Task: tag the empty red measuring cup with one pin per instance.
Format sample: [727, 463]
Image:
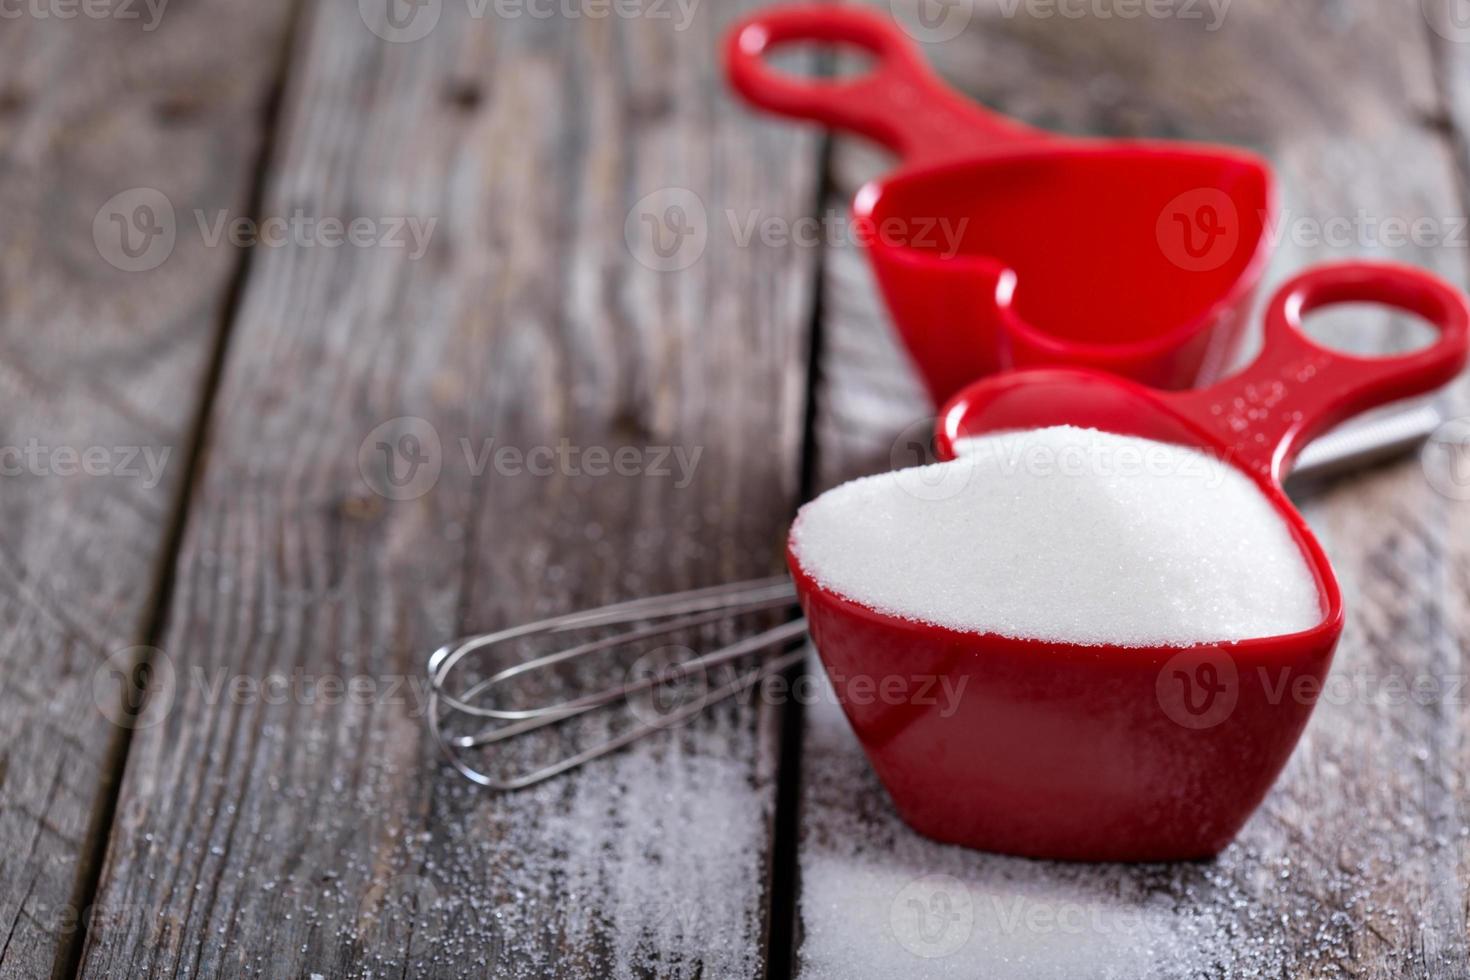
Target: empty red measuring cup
[1106, 753]
[997, 245]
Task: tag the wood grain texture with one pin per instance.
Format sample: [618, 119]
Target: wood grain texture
[103, 369]
[1356, 863]
[303, 832]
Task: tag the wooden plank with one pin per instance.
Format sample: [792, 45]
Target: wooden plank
[104, 360]
[1356, 863]
[304, 833]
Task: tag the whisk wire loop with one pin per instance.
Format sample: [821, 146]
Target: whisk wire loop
[657, 616]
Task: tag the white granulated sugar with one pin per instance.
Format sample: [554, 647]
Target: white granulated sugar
[878, 918]
[1069, 535]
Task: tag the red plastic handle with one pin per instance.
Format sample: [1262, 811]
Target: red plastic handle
[899, 103]
[1296, 388]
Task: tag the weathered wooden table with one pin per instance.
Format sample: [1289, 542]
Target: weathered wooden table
[190, 431]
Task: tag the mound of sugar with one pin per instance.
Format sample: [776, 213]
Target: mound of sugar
[1065, 534]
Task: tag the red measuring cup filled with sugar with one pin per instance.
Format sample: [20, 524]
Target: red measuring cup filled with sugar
[997, 245]
[1157, 745]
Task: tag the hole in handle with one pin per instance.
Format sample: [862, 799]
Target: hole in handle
[1405, 290]
[1368, 329]
[820, 62]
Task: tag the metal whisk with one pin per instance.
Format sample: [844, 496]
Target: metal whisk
[657, 616]
[1372, 439]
